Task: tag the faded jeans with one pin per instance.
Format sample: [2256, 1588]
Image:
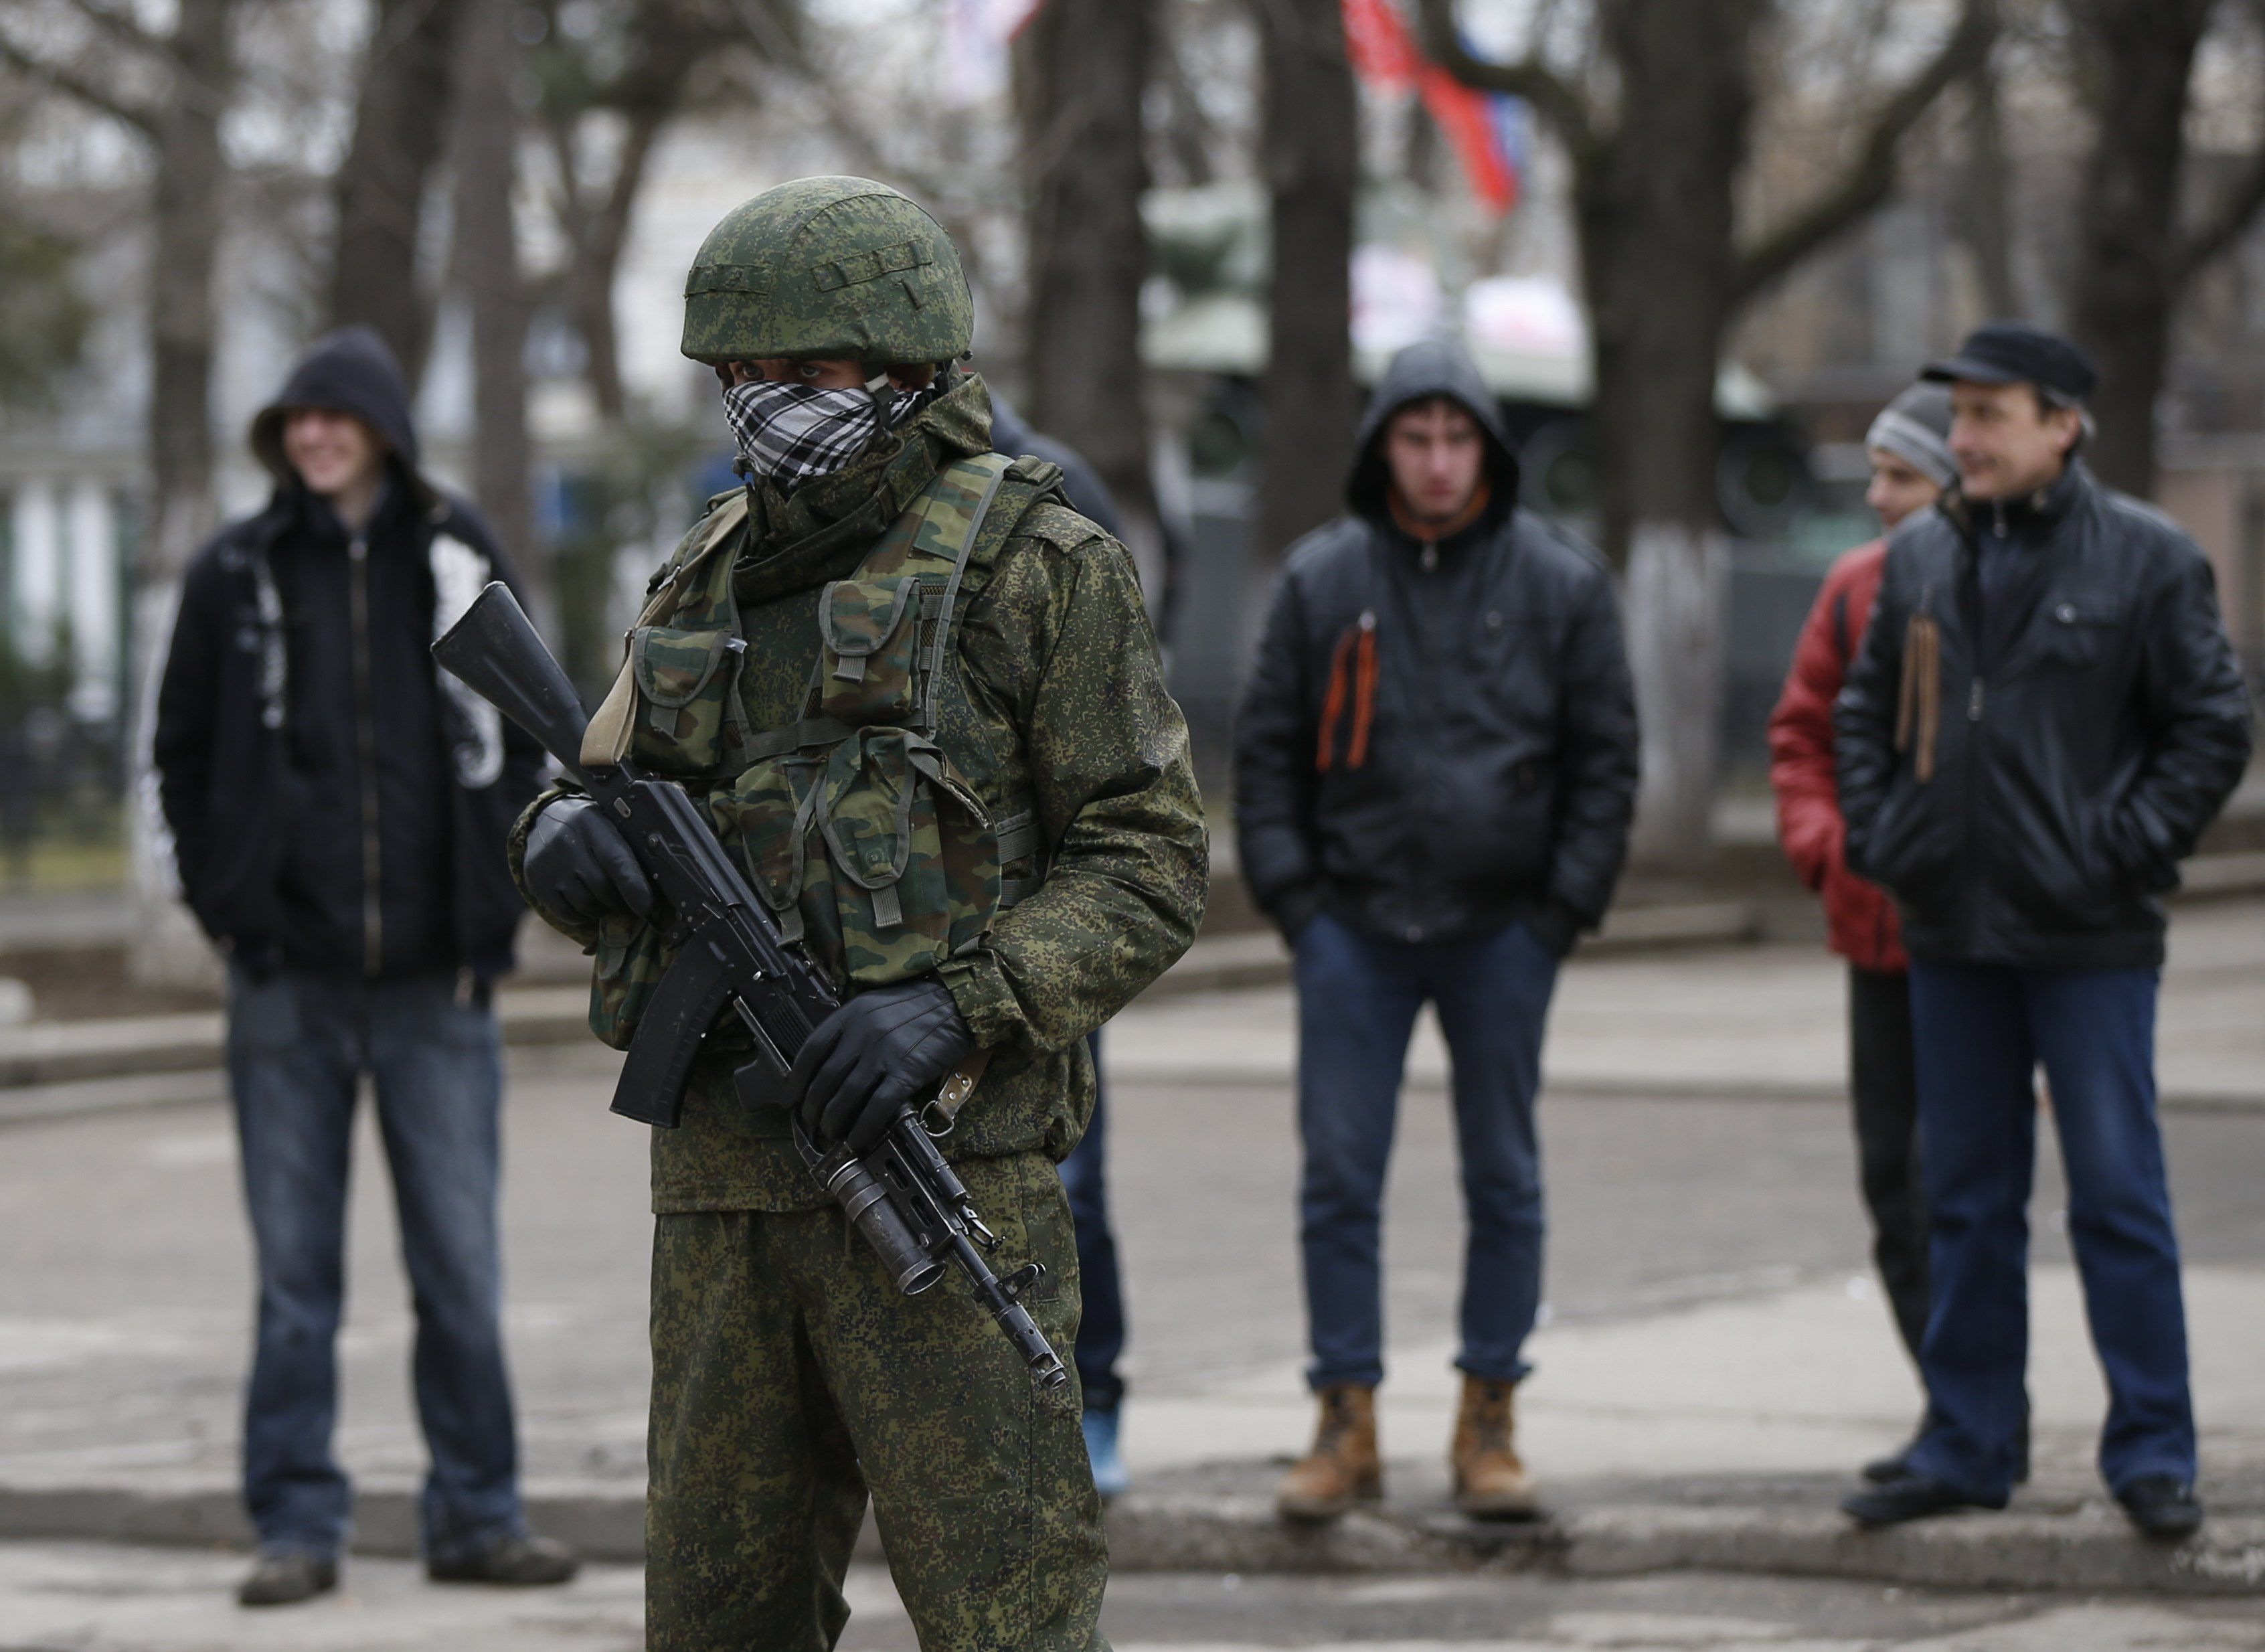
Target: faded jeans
[298, 1046]
[1358, 998]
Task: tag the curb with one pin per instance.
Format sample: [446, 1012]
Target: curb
[2091, 1551]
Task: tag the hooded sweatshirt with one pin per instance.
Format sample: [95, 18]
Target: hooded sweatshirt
[334, 804]
[1438, 736]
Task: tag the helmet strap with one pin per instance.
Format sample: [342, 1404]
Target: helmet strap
[884, 394]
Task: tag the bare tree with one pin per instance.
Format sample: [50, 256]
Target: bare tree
[487, 264]
[1086, 72]
[639, 68]
[407, 75]
[2135, 61]
[1310, 158]
[171, 90]
[1665, 273]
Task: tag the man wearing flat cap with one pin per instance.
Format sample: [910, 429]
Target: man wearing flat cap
[2044, 716]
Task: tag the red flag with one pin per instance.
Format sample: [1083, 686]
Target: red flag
[1385, 54]
[1377, 41]
[1466, 114]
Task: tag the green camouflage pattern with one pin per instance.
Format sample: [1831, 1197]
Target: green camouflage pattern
[874, 852]
[1053, 699]
[678, 654]
[867, 675]
[790, 1378]
[829, 267]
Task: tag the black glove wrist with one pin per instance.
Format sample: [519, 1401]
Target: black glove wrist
[883, 1051]
[580, 867]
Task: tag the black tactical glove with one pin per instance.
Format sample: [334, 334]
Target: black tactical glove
[580, 866]
[879, 1052]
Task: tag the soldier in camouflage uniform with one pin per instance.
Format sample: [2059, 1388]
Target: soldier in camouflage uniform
[924, 707]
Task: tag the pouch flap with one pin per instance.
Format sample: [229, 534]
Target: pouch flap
[673, 665]
[859, 616]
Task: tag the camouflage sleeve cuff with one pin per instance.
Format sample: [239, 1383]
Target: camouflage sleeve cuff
[514, 849]
[979, 986]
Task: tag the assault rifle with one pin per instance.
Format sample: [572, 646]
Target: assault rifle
[900, 1195]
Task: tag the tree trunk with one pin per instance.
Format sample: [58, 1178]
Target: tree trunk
[1984, 196]
[185, 213]
[1660, 198]
[1310, 151]
[2137, 55]
[487, 263]
[381, 188]
[1087, 72]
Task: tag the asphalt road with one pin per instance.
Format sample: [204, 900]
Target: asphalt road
[125, 1309]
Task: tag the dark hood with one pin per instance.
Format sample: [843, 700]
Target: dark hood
[348, 371]
[1429, 368]
[1089, 495]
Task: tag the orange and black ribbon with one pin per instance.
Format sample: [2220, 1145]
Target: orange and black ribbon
[1352, 675]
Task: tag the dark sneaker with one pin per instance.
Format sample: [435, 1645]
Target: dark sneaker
[287, 1576]
[1913, 1497]
[516, 1562]
[2162, 1507]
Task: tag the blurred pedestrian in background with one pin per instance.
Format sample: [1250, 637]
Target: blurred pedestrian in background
[338, 811]
[1435, 771]
[1084, 1174]
[1909, 448]
[2044, 716]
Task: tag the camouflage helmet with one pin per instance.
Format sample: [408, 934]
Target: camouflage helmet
[827, 267]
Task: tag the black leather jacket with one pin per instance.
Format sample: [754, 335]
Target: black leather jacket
[2090, 721]
[1497, 775]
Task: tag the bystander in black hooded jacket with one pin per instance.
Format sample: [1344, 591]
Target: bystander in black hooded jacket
[305, 738]
[2024, 775]
[1435, 742]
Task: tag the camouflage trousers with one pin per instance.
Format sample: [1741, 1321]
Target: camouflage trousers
[790, 1376]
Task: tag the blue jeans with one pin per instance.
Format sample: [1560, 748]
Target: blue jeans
[1101, 1328]
[1358, 997]
[1980, 1031]
[297, 1047]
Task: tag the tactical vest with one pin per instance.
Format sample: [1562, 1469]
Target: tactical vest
[857, 830]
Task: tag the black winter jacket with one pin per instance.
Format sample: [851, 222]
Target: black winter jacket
[2089, 721]
[263, 771]
[1499, 770]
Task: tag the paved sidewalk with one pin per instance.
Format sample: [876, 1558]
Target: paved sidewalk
[1736, 1021]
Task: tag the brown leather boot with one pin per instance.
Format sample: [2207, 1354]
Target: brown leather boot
[1490, 1483]
[1342, 1466]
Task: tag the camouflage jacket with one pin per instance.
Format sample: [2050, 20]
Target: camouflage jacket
[1061, 708]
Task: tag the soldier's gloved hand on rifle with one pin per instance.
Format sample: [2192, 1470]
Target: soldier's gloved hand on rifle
[885, 1049]
[580, 866]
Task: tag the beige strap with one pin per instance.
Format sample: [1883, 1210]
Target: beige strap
[606, 742]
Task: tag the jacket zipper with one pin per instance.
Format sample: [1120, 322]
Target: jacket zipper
[373, 919]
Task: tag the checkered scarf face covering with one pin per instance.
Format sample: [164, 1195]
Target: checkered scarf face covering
[791, 433]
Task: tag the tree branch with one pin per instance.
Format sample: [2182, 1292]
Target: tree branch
[1556, 101]
[1871, 179]
[122, 28]
[2228, 217]
[73, 84]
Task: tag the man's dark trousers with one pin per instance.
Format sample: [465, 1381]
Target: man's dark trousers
[1101, 1326]
[298, 1044]
[1982, 1029]
[1885, 1087]
[1358, 998]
